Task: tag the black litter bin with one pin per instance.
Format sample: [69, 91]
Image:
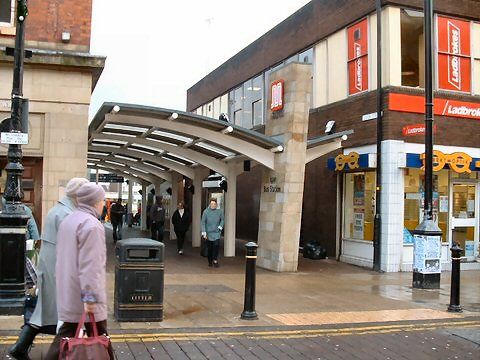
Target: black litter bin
[139, 280]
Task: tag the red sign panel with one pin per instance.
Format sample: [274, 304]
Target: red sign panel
[417, 129]
[454, 63]
[358, 57]
[277, 92]
[444, 107]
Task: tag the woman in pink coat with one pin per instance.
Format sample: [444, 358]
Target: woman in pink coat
[80, 267]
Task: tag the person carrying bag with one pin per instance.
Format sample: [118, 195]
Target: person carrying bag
[81, 271]
[93, 347]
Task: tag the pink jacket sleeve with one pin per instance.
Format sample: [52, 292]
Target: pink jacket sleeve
[90, 262]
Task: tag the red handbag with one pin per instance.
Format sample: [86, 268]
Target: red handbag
[89, 348]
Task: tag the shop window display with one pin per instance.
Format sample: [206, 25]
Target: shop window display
[414, 201]
[463, 208]
[359, 205]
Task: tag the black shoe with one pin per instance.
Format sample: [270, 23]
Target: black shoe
[210, 264]
[21, 348]
[216, 264]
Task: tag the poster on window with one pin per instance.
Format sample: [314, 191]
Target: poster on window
[407, 237]
[358, 57]
[454, 62]
[358, 224]
[469, 248]
[359, 190]
[443, 204]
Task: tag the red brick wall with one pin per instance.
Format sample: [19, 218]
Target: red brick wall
[49, 18]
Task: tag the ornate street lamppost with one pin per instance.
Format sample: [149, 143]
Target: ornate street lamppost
[427, 262]
[13, 219]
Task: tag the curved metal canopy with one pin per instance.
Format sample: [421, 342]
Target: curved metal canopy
[155, 141]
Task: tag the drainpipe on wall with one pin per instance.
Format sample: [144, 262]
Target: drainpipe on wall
[377, 228]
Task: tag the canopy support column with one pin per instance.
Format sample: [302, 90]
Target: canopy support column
[129, 217]
[230, 214]
[173, 204]
[197, 207]
[143, 214]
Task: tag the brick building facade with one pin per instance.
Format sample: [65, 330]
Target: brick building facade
[58, 80]
[338, 39]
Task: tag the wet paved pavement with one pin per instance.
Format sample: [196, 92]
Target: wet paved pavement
[321, 295]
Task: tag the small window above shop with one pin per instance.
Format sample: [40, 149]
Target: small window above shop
[412, 48]
[6, 12]
[306, 56]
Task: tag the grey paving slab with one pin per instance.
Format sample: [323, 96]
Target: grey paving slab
[472, 335]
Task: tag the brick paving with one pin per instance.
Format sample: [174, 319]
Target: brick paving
[369, 342]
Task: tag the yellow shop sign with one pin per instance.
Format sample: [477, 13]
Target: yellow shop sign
[350, 159]
[458, 161]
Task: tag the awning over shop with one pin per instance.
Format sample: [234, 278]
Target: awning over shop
[322, 145]
[459, 162]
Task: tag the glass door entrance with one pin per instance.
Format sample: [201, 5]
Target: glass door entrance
[465, 217]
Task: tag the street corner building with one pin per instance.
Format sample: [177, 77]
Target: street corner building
[312, 78]
[59, 78]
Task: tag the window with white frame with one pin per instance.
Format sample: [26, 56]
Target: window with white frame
[237, 105]
[7, 8]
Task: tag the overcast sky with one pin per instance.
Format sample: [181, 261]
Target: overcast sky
[157, 49]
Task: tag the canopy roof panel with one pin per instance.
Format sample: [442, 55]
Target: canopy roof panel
[168, 140]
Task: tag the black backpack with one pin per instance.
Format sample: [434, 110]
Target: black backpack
[314, 251]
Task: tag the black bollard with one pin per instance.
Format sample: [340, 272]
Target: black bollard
[455, 281]
[249, 312]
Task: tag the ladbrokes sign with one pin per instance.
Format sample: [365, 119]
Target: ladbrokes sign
[454, 62]
[358, 57]
[444, 107]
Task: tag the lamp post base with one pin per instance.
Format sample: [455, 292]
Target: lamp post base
[249, 315]
[13, 228]
[426, 281]
[427, 255]
[455, 308]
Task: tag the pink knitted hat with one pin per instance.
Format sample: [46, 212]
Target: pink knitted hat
[90, 194]
[73, 185]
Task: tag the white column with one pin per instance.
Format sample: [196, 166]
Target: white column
[97, 175]
[130, 197]
[230, 214]
[173, 203]
[197, 208]
[392, 205]
[143, 216]
[120, 186]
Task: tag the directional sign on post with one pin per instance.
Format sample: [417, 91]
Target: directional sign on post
[14, 138]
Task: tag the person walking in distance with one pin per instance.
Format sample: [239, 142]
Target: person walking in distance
[181, 223]
[212, 226]
[117, 210]
[157, 217]
[44, 318]
[81, 267]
